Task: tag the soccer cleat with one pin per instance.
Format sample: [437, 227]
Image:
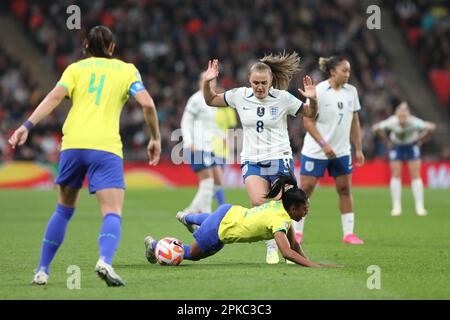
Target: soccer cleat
[181, 216]
[40, 278]
[272, 255]
[352, 239]
[149, 252]
[299, 237]
[106, 272]
[396, 212]
[421, 212]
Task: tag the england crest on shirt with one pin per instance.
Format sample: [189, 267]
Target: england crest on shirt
[260, 111]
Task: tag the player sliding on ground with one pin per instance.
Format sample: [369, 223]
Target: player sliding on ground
[232, 223]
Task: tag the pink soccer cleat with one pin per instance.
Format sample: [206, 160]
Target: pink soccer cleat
[352, 239]
[299, 237]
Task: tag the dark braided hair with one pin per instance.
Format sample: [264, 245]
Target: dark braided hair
[293, 196]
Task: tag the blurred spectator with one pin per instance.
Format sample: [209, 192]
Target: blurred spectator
[171, 44]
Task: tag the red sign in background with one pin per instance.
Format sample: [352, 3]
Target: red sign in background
[435, 174]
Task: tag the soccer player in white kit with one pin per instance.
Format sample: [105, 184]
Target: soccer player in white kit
[263, 109]
[407, 134]
[198, 127]
[327, 142]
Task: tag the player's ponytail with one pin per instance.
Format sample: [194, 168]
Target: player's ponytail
[291, 194]
[98, 41]
[281, 66]
[328, 64]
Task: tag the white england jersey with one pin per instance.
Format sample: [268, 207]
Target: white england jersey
[333, 121]
[198, 123]
[402, 135]
[264, 122]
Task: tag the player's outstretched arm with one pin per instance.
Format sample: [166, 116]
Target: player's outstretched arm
[50, 102]
[212, 98]
[288, 253]
[309, 110]
[151, 119]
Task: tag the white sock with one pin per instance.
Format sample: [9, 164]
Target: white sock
[396, 193]
[271, 244]
[299, 226]
[202, 201]
[348, 222]
[417, 189]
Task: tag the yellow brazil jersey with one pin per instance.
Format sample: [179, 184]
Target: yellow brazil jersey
[98, 88]
[225, 119]
[249, 225]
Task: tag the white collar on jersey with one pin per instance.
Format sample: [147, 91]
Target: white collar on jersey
[270, 94]
[344, 86]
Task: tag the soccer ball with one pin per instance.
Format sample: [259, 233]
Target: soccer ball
[169, 251]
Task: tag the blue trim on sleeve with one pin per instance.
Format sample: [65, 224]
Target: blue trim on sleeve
[300, 108]
[136, 87]
[225, 98]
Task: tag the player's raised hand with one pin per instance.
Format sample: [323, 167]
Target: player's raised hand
[18, 137]
[310, 88]
[154, 152]
[213, 70]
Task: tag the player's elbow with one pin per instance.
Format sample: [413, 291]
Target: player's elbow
[148, 105]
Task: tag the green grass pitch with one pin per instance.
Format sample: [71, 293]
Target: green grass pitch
[412, 252]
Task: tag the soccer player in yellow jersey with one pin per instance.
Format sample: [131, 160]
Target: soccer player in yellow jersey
[98, 86]
[231, 223]
[225, 119]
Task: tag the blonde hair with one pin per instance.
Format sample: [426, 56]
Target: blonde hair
[402, 107]
[281, 67]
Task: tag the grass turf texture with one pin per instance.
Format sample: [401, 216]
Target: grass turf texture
[412, 252]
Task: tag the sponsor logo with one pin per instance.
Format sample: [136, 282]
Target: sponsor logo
[340, 105]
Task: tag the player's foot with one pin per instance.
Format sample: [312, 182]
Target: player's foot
[40, 278]
[272, 255]
[181, 216]
[149, 252]
[352, 239]
[106, 272]
[396, 212]
[299, 237]
[421, 212]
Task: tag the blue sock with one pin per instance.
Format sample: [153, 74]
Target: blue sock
[196, 218]
[187, 252]
[220, 196]
[109, 238]
[54, 235]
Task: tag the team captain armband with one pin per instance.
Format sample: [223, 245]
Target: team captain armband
[136, 87]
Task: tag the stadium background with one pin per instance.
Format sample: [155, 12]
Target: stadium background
[170, 43]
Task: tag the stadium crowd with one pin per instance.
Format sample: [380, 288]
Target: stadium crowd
[170, 45]
[426, 24]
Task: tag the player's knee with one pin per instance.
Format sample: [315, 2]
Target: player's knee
[344, 190]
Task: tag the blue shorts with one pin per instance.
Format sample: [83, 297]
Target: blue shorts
[207, 236]
[104, 169]
[220, 161]
[316, 167]
[404, 153]
[199, 159]
[267, 169]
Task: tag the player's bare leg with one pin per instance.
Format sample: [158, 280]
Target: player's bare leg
[343, 188]
[417, 186]
[396, 187]
[308, 184]
[256, 189]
